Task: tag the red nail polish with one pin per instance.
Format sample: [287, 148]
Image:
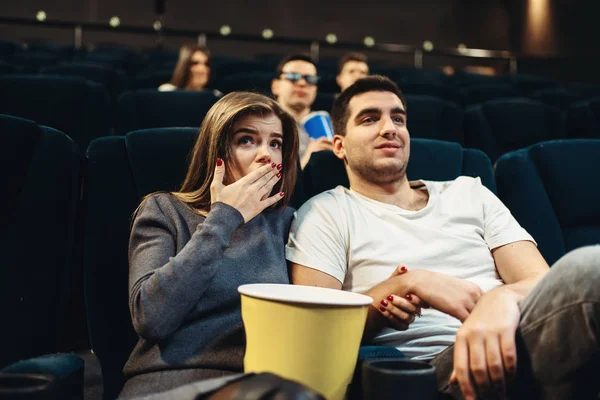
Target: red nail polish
[273, 165]
[281, 194]
[219, 162]
[409, 297]
[403, 269]
[279, 174]
[279, 166]
[384, 303]
[381, 308]
[390, 298]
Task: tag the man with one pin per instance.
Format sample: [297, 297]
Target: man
[487, 325]
[352, 67]
[295, 88]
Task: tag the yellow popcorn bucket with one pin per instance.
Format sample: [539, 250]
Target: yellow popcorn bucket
[307, 334]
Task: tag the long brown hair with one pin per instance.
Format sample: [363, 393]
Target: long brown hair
[181, 74]
[214, 141]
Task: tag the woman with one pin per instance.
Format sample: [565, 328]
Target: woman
[192, 71]
[190, 250]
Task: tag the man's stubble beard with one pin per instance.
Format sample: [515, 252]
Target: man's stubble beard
[382, 175]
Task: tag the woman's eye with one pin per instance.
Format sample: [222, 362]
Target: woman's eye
[276, 144]
[246, 140]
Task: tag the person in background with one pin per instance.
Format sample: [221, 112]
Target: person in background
[295, 88]
[352, 67]
[192, 71]
[190, 250]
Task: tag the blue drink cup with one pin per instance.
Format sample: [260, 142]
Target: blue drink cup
[318, 124]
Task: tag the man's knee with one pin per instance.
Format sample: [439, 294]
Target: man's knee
[580, 267]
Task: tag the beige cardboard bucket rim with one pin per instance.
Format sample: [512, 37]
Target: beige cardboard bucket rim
[304, 294]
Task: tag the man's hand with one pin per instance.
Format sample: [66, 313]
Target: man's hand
[454, 296]
[485, 345]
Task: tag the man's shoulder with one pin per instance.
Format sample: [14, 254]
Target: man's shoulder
[329, 200]
[463, 183]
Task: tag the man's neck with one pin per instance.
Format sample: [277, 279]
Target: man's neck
[297, 112]
[398, 193]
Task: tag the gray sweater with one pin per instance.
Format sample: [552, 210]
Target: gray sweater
[184, 272]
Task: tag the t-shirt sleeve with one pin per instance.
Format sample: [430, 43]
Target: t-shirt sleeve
[500, 227]
[318, 237]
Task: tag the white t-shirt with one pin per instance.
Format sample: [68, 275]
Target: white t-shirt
[360, 241]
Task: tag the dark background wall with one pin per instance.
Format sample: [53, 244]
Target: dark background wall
[536, 29]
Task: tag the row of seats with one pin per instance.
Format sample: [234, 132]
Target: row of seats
[84, 111]
[240, 74]
[67, 219]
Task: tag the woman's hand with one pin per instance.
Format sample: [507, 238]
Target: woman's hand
[249, 195]
[400, 312]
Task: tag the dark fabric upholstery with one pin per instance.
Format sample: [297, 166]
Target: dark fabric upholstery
[323, 102]
[41, 171]
[530, 83]
[121, 171]
[253, 81]
[65, 369]
[481, 93]
[504, 125]
[30, 62]
[444, 92]
[551, 189]
[433, 118]
[113, 79]
[583, 119]
[557, 97]
[146, 109]
[77, 107]
[429, 159]
[151, 79]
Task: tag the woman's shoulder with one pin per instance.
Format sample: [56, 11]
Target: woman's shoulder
[162, 203]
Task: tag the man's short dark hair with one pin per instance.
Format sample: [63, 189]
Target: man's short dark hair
[375, 83]
[293, 57]
[352, 56]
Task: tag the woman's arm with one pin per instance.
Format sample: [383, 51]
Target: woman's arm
[165, 286]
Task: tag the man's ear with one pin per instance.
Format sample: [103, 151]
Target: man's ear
[337, 80]
[275, 87]
[338, 147]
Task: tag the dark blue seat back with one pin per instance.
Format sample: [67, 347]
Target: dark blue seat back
[583, 119]
[147, 109]
[40, 170]
[504, 125]
[113, 79]
[434, 118]
[429, 159]
[77, 107]
[551, 189]
[481, 93]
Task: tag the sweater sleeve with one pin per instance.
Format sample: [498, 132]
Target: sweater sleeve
[164, 287]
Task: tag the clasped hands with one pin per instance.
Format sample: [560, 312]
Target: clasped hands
[485, 356]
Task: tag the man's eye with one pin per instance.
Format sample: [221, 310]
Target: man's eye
[399, 120]
[368, 120]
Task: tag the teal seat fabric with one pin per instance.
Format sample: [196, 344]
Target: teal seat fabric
[40, 169]
[551, 189]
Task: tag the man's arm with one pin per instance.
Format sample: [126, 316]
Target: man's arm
[376, 320]
[485, 345]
